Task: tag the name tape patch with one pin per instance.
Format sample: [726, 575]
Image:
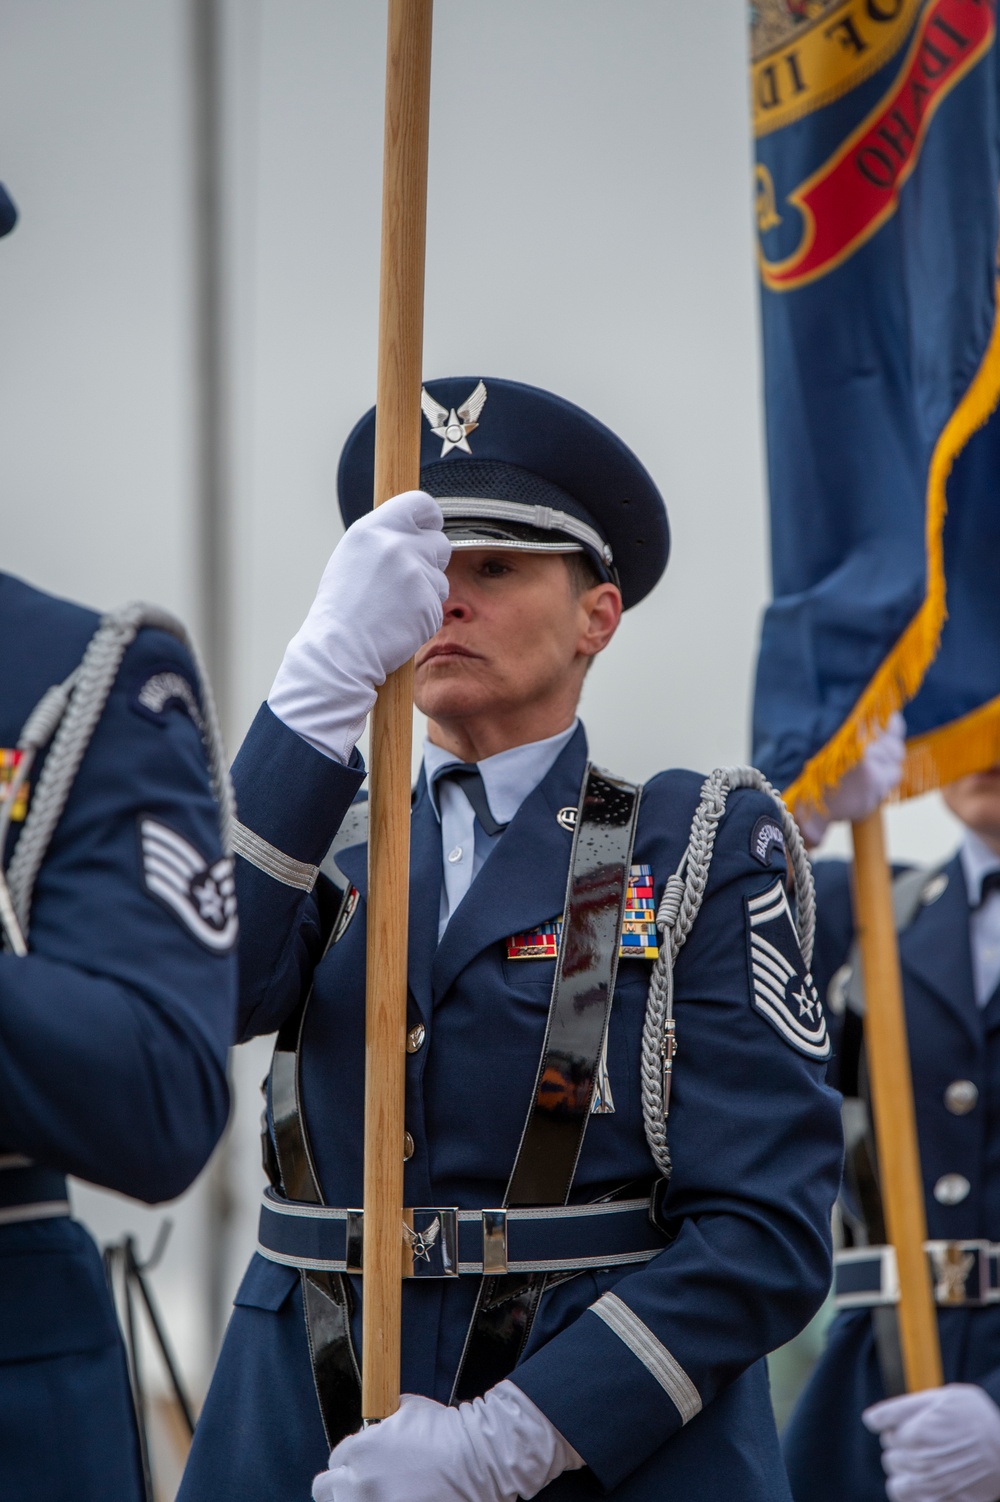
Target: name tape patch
[781, 986]
[200, 893]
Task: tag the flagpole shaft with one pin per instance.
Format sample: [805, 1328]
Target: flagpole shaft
[892, 1104]
[397, 468]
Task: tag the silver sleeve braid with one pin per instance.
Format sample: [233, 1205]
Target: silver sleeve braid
[679, 906]
[70, 712]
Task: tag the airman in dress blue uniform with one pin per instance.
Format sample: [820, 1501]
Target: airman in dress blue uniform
[117, 996]
[949, 946]
[573, 1319]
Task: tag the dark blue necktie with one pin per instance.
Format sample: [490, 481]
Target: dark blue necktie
[469, 779]
[990, 883]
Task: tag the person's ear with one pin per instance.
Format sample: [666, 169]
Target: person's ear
[603, 609]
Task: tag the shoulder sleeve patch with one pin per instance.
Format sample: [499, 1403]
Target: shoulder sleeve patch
[782, 988]
[767, 835]
[167, 690]
[200, 894]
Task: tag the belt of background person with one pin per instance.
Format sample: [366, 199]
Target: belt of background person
[445, 1241]
[28, 1192]
[964, 1274]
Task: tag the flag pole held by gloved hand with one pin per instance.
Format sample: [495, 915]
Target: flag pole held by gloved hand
[397, 468]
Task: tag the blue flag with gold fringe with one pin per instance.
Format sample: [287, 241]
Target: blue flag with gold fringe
[878, 171]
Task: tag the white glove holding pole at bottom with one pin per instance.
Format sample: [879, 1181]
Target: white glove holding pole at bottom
[495, 1449]
[942, 1445]
[860, 791]
[379, 600]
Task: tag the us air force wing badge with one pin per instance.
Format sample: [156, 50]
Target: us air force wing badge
[781, 986]
[201, 895]
[453, 427]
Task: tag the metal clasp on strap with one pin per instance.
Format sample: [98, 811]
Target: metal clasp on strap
[494, 1242]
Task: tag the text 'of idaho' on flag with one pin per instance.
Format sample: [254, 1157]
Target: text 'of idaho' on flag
[877, 180]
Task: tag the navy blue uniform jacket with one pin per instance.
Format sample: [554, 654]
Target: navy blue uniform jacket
[830, 1454]
[113, 1039]
[754, 1131]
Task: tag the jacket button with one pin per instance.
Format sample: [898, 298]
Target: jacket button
[961, 1097]
[415, 1039]
[408, 1149]
[951, 1189]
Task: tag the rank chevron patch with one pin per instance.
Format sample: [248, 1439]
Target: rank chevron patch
[782, 988]
[200, 894]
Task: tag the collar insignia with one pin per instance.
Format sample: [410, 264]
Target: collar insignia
[453, 427]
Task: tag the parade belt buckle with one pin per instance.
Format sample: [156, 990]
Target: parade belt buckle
[494, 1242]
[430, 1242]
[961, 1272]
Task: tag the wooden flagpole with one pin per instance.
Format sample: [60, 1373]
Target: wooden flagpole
[397, 468]
[892, 1104]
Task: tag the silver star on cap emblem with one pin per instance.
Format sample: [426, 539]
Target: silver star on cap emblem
[453, 427]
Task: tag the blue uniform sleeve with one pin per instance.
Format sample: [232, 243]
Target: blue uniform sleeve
[291, 800]
[756, 1145]
[114, 1028]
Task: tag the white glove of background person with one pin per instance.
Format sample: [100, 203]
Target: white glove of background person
[942, 1445]
[860, 791]
[378, 602]
[495, 1449]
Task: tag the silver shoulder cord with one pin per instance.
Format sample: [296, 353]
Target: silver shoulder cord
[679, 906]
[70, 711]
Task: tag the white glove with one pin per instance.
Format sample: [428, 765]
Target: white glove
[378, 602]
[942, 1445]
[495, 1449]
[860, 791]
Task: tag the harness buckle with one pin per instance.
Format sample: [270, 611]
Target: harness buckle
[961, 1272]
[430, 1242]
[494, 1242]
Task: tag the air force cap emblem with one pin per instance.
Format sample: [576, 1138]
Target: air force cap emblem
[200, 894]
[451, 426]
[782, 988]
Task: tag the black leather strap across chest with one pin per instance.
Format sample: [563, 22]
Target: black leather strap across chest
[579, 1011]
[553, 1133]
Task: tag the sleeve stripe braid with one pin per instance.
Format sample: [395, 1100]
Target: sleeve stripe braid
[655, 1357]
[272, 861]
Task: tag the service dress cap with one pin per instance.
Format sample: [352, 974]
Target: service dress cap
[517, 467]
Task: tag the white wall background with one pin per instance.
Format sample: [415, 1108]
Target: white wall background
[589, 230]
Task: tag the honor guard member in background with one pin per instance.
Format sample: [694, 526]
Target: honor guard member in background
[942, 1445]
[117, 995]
[590, 1324]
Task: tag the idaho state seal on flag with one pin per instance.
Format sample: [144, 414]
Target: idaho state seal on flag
[877, 185]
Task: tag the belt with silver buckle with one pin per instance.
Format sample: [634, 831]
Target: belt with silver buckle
[443, 1241]
[964, 1274]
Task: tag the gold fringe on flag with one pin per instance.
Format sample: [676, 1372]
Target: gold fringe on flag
[966, 745]
[969, 744]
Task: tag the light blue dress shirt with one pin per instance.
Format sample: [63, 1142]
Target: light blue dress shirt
[508, 778]
[984, 921]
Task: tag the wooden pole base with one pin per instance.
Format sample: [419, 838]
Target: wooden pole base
[892, 1104]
